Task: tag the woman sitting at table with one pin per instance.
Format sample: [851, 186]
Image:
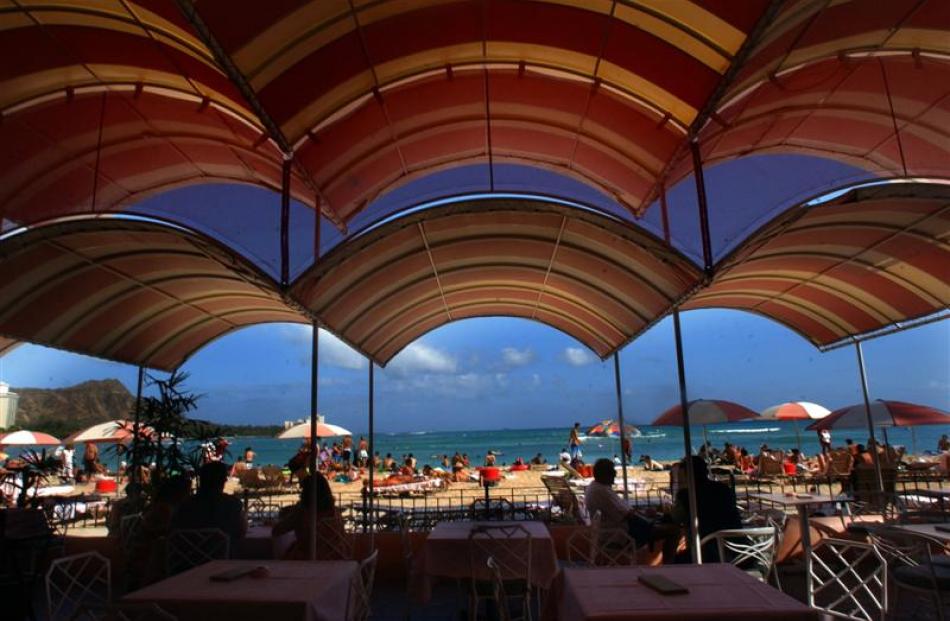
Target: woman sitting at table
[300, 519]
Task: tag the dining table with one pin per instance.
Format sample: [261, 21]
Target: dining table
[447, 553]
[936, 532]
[802, 503]
[286, 590]
[712, 591]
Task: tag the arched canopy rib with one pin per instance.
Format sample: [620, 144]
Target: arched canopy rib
[867, 84]
[132, 291]
[874, 257]
[597, 279]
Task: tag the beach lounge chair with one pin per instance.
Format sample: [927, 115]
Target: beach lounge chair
[562, 496]
[771, 464]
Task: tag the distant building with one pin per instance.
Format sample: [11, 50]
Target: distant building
[8, 403]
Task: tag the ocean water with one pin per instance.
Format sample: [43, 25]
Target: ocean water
[663, 443]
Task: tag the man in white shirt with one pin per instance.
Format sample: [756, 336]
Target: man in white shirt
[564, 456]
[614, 513]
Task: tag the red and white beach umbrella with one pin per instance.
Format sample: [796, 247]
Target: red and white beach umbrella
[796, 410]
[28, 438]
[706, 412]
[110, 431]
[324, 430]
[883, 414]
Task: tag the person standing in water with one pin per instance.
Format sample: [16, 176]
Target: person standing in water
[249, 456]
[575, 441]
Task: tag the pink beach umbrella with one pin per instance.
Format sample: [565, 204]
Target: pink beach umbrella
[796, 411]
[706, 412]
[28, 438]
[324, 430]
[884, 414]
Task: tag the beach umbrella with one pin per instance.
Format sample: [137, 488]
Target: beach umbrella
[796, 411]
[324, 430]
[110, 431]
[705, 412]
[28, 438]
[611, 428]
[884, 414]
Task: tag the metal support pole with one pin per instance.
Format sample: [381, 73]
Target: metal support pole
[371, 515]
[312, 457]
[867, 412]
[687, 443]
[623, 454]
[703, 207]
[134, 476]
[285, 223]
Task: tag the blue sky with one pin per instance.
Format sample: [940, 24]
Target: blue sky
[509, 373]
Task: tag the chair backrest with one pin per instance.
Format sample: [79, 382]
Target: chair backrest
[495, 508]
[509, 544]
[849, 579]
[77, 580]
[898, 547]
[130, 526]
[840, 463]
[581, 546]
[770, 464]
[187, 548]
[273, 476]
[613, 546]
[747, 548]
[361, 589]
[124, 612]
[333, 542]
[498, 590]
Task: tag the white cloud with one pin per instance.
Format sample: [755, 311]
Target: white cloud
[535, 380]
[578, 357]
[333, 352]
[517, 357]
[420, 358]
[336, 353]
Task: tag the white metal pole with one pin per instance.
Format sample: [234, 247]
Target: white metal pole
[623, 454]
[371, 515]
[312, 465]
[687, 444]
[867, 412]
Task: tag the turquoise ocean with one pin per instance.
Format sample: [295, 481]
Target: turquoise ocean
[662, 443]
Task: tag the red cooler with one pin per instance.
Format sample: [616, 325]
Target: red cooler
[106, 486]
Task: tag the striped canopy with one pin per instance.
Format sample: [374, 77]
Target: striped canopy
[28, 438]
[883, 414]
[795, 410]
[339, 103]
[706, 412]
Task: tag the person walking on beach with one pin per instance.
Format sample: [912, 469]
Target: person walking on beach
[824, 439]
[626, 446]
[346, 452]
[575, 440]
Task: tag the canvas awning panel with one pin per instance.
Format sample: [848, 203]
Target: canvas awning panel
[105, 103]
[863, 83]
[7, 345]
[374, 94]
[136, 292]
[874, 257]
[592, 277]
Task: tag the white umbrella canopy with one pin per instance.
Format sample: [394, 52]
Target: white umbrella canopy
[796, 410]
[324, 430]
[28, 438]
[109, 431]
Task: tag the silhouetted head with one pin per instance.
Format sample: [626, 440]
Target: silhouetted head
[604, 471]
[212, 477]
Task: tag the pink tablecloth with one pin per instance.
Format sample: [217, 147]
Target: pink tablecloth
[311, 591]
[446, 553]
[716, 591]
[258, 544]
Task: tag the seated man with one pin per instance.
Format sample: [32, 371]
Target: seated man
[715, 502]
[614, 513]
[210, 507]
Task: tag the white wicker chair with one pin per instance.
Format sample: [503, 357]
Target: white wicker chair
[75, 581]
[187, 548]
[750, 549]
[361, 590]
[510, 547]
[849, 579]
